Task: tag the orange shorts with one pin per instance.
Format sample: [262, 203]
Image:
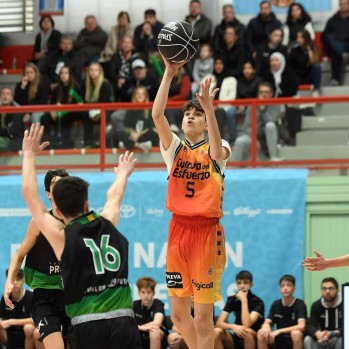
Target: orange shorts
[195, 258]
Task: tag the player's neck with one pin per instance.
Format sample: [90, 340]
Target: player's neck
[287, 300]
[194, 139]
[16, 296]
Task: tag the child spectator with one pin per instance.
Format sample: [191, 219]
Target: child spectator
[289, 314]
[16, 325]
[249, 313]
[150, 315]
[203, 65]
[139, 127]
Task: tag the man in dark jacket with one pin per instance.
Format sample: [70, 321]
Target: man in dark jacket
[11, 125]
[91, 40]
[336, 40]
[325, 325]
[259, 27]
[229, 19]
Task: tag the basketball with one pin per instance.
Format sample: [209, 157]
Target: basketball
[178, 41]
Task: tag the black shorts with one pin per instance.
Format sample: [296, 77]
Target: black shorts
[48, 312]
[15, 338]
[283, 341]
[120, 333]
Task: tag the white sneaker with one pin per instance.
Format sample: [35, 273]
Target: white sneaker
[316, 93]
[334, 82]
[145, 146]
[274, 158]
[121, 145]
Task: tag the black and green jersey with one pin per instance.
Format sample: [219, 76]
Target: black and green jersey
[94, 266]
[42, 267]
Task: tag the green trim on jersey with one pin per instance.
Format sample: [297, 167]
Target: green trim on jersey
[106, 301]
[85, 219]
[34, 279]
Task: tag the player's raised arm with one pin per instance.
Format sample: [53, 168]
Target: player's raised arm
[160, 102]
[217, 152]
[46, 223]
[115, 194]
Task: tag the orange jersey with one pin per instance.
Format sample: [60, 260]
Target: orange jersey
[196, 184]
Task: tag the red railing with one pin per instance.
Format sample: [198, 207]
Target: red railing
[253, 103]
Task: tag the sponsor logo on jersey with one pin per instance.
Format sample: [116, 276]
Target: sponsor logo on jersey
[174, 280]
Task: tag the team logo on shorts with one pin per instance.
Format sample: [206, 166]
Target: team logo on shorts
[209, 271]
[174, 280]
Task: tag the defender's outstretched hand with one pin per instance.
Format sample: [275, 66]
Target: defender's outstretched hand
[315, 263]
[205, 97]
[126, 164]
[32, 138]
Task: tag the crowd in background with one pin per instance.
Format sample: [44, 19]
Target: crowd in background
[96, 67]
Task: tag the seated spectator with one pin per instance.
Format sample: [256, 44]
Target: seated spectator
[259, 27]
[233, 53]
[265, 50]
[267, 130]
[203, 65]
[180, 90]
[46, 41]
[248, 83]
[336, 40]
[325, 324]
[120, 65]
[289, 315]
[90, 41]
[150, 315]
[96, 89]
[285, 84]
[202, 25]
[225, 113]
[11, 124]
[16, 325]
[146, 34]
[66, 56]
[31, 90]
[229, 19]
[297, 19]
[249, 313]
[139, 130]
[118, 32]
[58, 124]
[141, 76]
[304, 59]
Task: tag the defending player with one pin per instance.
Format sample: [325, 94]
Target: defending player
[93, 254]
[196, 251]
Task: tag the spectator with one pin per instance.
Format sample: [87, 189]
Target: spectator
[46, 41]
[139, 127]
[31, 90]
[180, 90]
[305, 61]
[203, 65]
[285, 84]
[325, 325]
[90, 41]
[97, 89]
[265, 50]
[58, 124]
[259, 27]
[11, 125]
[248, 83]
[118, 32]
[229, 19]
[66, 56]
[297, 19]
[16, 325]
[141, 76]
[336, 40]
[120, 65]
[146, 34]
[233, 53]
[267, 131]
[199, 21]
[289, 314]
[249, 312]
[150, 315]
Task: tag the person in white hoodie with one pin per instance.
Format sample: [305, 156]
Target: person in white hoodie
[325, 325]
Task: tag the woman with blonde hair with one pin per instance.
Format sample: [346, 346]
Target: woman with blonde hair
[139, 127]
[31, 90]
[97, 89]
